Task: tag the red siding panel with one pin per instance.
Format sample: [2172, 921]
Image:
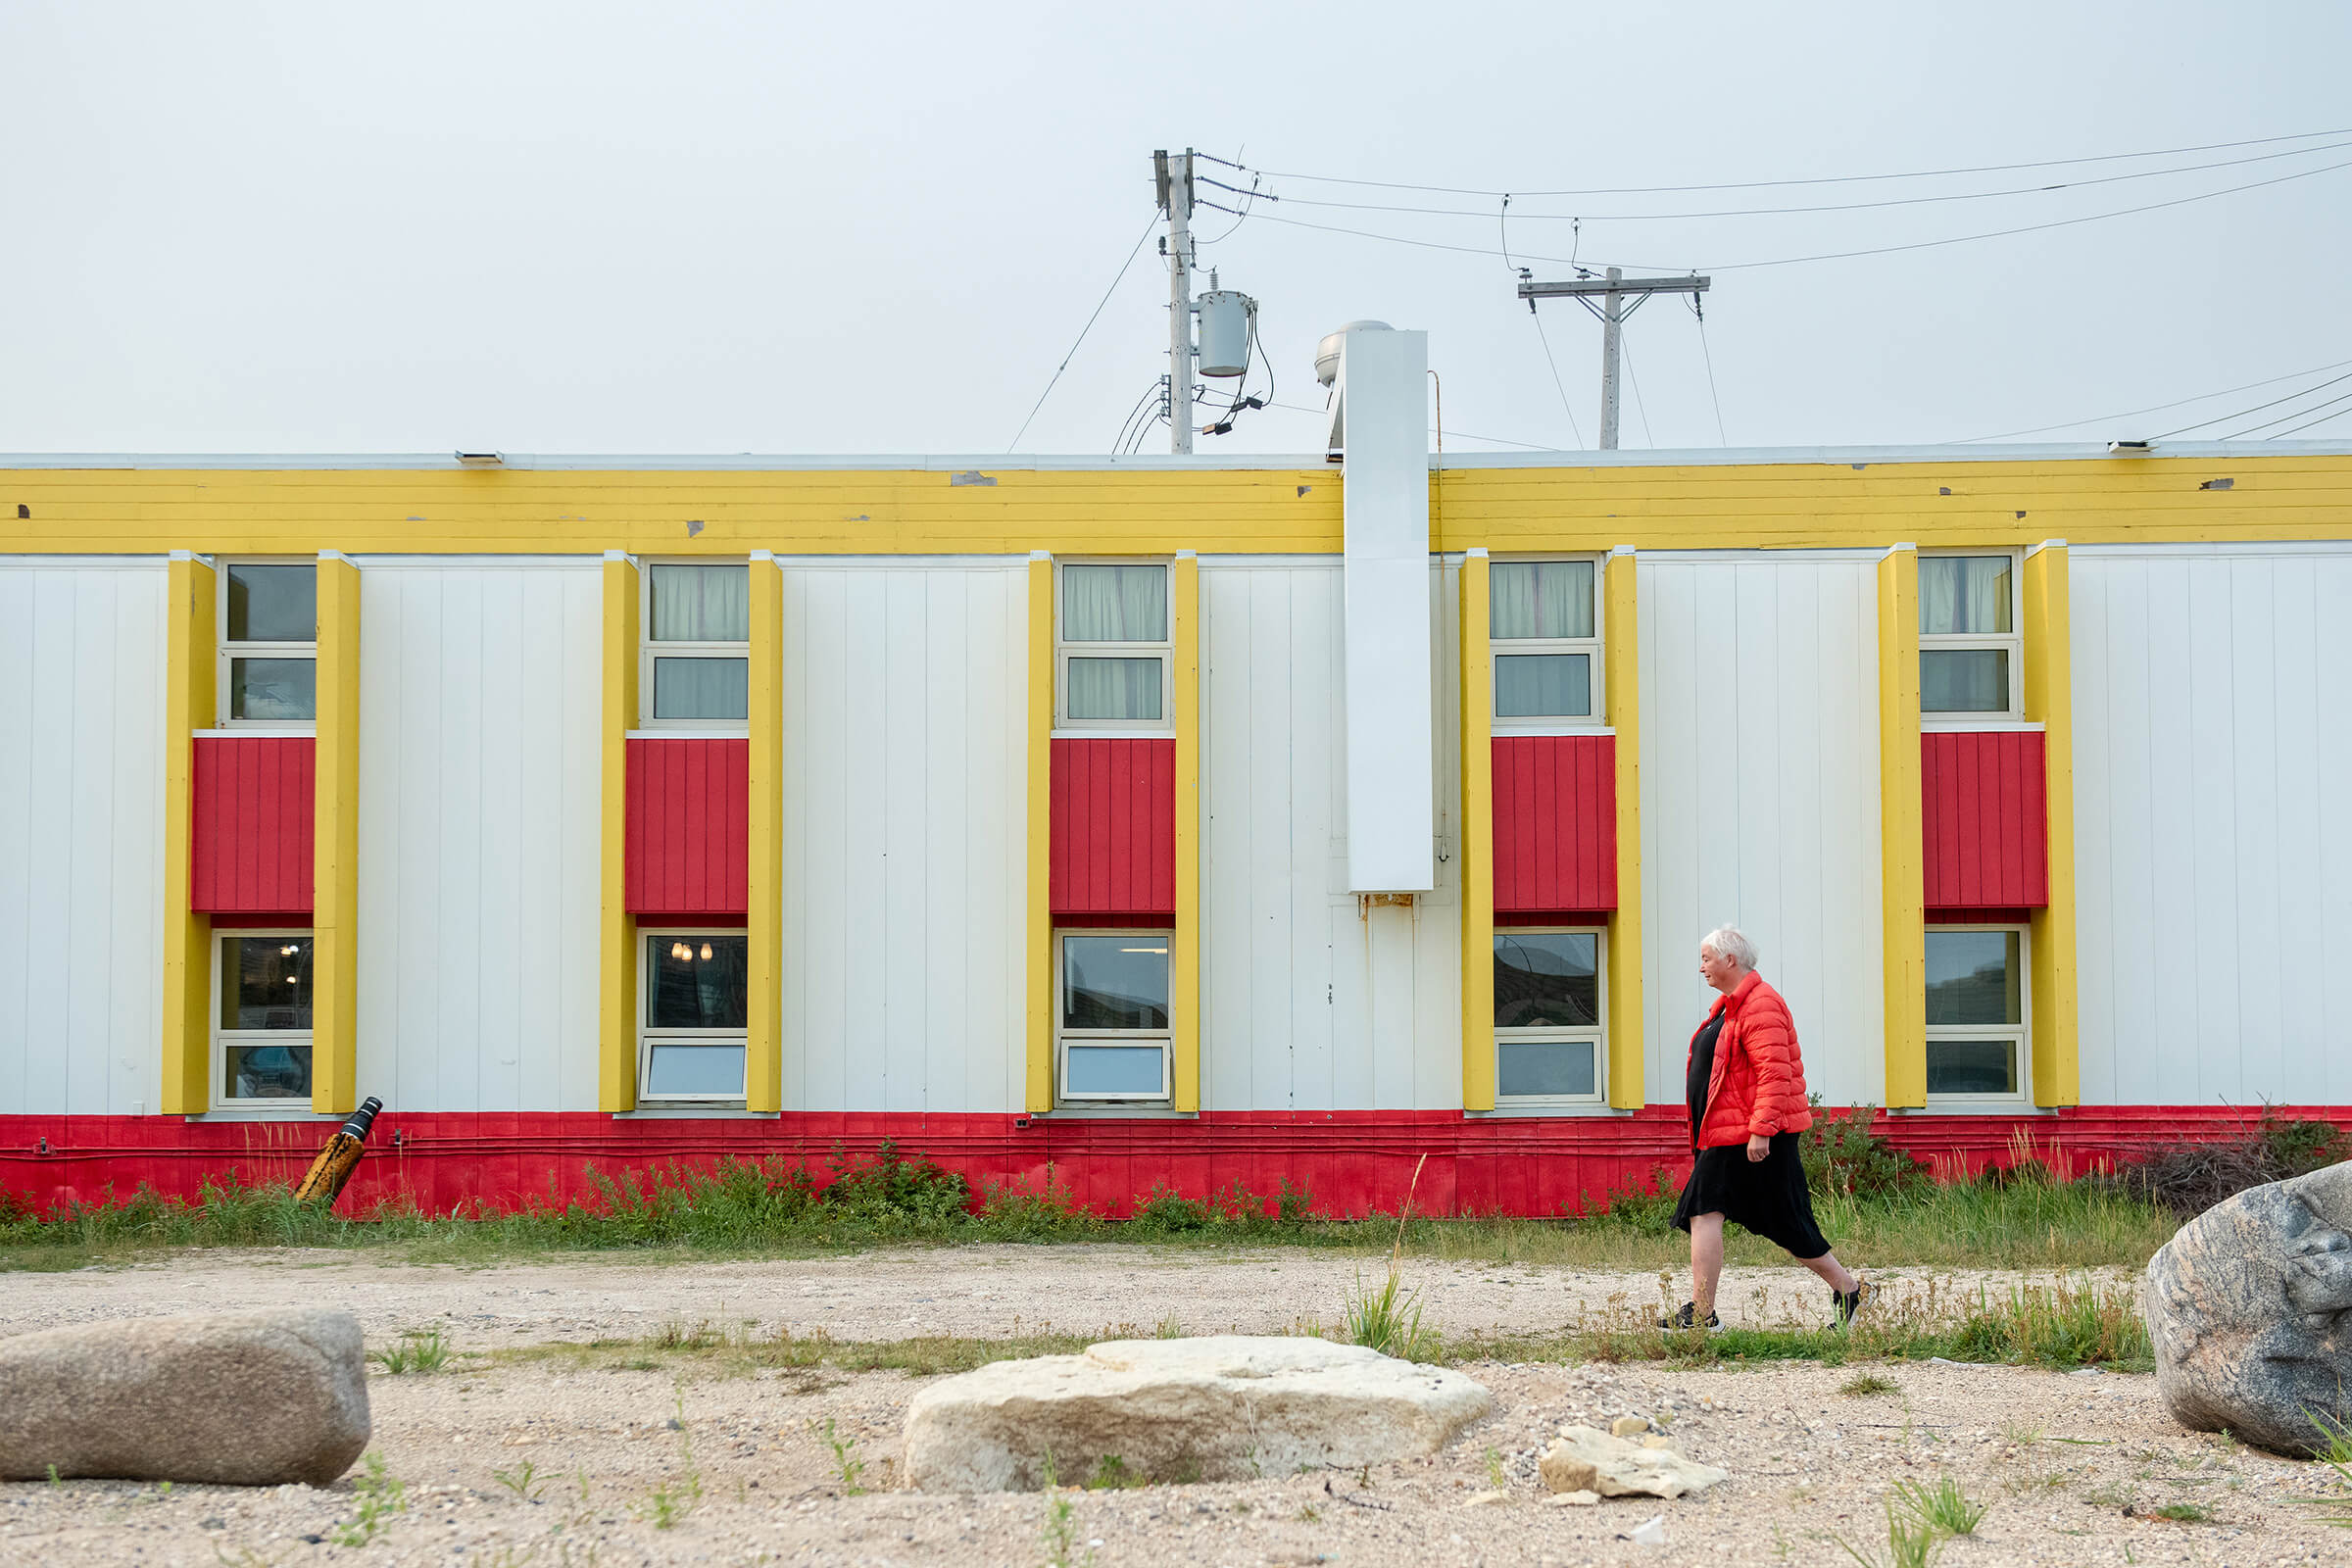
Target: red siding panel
[250, 809]
[1555, 822]
[1984, 820]
[1113, 848]
[688, 850]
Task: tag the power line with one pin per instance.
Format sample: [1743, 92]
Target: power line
[1833, 206]
[1646, 436]
[1828, 255]
[2324, 419]
[1556, 383]
[2224, 418]
[1466, 435]
[1708, 354]
[2314, 408]
[1824, 179]
[1088, 327]
[2158, 408]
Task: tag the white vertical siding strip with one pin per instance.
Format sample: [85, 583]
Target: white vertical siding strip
[991, 919]
[900, 643]
[57, 701]
[134, 1077]
[1760, 780]
[1225, 943]
[941, 1043]
[2212, 879]
[479, 789]
[1437, 914]
[818, 739]
[87, 964]
[865, 971]
[1268, 1074]
[1321, 1058]
[18, 803]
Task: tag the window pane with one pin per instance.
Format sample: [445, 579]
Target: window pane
[1963, 594]
[1546, 979]
[701, 603]
[1540, 599]
[1092, 1070]
[705, 1073]
[1114, 603]
[273, 603]
[1542, 1067]
[1117, 982]
[694, 982]
[702, 687]
[1544, 686]
[1972, 977]
[268, 1072]
[280, 689]
[1972, 1067]
[1115, 688]
[1964, 680]
[265, 983]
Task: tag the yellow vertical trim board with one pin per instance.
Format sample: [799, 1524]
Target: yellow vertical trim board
[1902, 873]
[764, 923]
[1184, 963]
[191, 652]
[1475, 853]
[617, 929]
[335, 845]
[1039, 1080]
[2050, 701]
[1621, 645]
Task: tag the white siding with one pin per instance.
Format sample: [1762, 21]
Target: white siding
[2213, 745]
[1308, 1004]
[1760, 801]
[480, 787]
[906, 702]
[82, 844]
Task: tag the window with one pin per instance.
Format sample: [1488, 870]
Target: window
[1113, 644]
[1976, 1013]
[264, 985]
[1112, 1028]
[692, 1046]
[268, 615]
[1541, 617]
[1969, 647]
[1548, 1015]
[698, 644]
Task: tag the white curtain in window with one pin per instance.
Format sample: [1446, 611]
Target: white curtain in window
[1114, 603]
[701, 603]
[1115, 688]
[1963, 594]
[1540, 599]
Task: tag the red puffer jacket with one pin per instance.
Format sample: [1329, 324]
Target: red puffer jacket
[1758, 1085]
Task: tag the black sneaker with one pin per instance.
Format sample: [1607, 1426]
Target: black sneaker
[1848, 1303]
[1687, 1318]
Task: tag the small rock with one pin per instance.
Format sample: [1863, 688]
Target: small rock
[1585, 1460]
[1628, 1426]
[1659, 1440]
[1651, 1532]
[1481, 1500]
[233, 1398]
[1574, 1500]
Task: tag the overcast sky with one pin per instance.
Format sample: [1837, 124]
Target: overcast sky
[687, 227]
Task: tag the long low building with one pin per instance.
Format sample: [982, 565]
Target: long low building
[1183, 821]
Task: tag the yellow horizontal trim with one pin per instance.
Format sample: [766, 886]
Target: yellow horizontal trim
[1771, 506]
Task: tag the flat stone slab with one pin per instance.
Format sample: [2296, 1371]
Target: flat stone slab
[2249, 1308]
[1226, 1407]
[1588, 1462]
[235, 1399]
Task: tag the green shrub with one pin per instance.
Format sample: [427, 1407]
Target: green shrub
[1842, 1154]
[890, 1188]
[1017, 1212]
[1165, 1211]
[1643, 1210]
[2190, 1178]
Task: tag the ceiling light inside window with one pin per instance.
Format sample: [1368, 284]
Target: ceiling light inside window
[705, 952]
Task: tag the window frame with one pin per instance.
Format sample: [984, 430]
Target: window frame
[223, 1038]
[2013, 641]
[1063, 1036]
[1598, 1032]
[226, 653]
[1165, 651]
[649, 650]
[647, 1036]
[1594, 648]
[2022, 1031]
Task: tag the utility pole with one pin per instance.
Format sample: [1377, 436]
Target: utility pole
[1176, 199]
[1614, 290]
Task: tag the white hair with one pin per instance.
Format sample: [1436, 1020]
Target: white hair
[1729, 941]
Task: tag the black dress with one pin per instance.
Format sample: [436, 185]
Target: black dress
[1767, 1196]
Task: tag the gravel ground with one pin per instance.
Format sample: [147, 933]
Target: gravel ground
[738, 1469]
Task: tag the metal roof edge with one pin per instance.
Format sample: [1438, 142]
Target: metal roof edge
[1858, 457]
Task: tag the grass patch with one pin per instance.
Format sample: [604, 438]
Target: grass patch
[2182, 1514]
[1864, 1384]
[1943, 1506]
[416, 1350]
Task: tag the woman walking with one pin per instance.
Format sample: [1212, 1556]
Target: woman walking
[1747, 1103]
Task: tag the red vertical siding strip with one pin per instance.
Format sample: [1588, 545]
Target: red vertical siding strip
[1604, 821]
[1058, 817]
[201, 791]
[2033, 761]
[1161, 762]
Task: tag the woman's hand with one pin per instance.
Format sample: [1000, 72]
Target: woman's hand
[1757, 1149]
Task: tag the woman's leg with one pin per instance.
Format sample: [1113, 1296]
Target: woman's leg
[1841, 1278]
[1706, 1262]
